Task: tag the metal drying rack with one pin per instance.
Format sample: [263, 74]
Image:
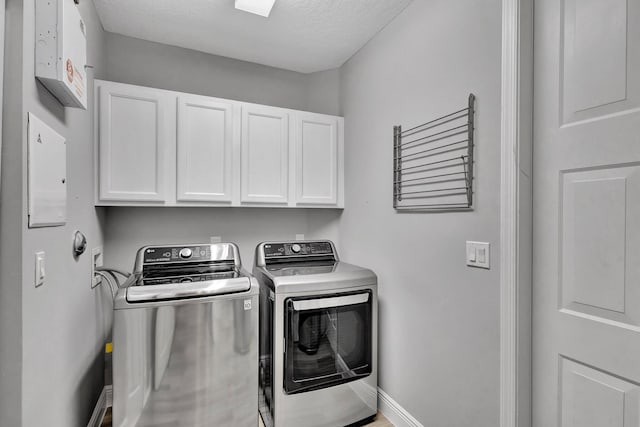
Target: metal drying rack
[433, 163]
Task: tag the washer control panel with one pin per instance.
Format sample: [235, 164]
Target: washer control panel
[177, 254]
[293, 249]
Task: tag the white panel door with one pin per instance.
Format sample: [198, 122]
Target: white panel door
[586, 180]
[205, 145]
[316, 159]
[265, 155]
[134, 132]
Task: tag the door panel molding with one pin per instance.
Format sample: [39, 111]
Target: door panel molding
[590, 397]
[516, 213]
[599, 51]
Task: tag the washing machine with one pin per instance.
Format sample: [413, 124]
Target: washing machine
[318, 336]
[185, 340]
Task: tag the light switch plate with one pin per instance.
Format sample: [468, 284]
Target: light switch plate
[478, 254]
[40, 272]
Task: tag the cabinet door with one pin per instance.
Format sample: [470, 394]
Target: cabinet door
[134, 133]
[265, 153]
[317, 144]
[205, 144]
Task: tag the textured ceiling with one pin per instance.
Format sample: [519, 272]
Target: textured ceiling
[300, 35]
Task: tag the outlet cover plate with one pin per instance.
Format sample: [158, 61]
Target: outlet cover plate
[96, 261]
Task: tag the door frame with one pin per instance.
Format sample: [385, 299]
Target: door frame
[516, 213]
[2, 37]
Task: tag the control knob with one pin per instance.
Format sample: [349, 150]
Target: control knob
[295, 248]
[185, 253]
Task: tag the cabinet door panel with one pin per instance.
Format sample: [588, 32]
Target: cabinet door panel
[205, 143]
[317, 159]
[133, 137]
[265, 145]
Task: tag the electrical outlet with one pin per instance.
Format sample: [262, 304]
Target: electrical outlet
[216, 239]
[96, 261]
[478, 254]
[299, 236]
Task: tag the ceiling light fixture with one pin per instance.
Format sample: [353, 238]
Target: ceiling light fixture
[259, 7]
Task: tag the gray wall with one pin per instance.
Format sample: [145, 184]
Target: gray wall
[439, 320]
[11, 222]
[130, 228]
[145, 63]
[59, 328]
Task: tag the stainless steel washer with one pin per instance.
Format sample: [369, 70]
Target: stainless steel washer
[318, 336]
[185, 340]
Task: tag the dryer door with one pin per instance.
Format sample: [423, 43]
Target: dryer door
[328, 340]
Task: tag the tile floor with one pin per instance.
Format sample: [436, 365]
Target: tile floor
[380, 421]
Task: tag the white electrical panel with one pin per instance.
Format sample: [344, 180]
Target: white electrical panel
[61, 51]
[47, 171]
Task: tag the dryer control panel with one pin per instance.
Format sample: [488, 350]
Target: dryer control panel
[295, 249]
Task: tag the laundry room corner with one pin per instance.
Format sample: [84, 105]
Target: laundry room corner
[240, 165]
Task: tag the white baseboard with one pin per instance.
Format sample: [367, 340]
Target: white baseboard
[395, 413]
[99, 409]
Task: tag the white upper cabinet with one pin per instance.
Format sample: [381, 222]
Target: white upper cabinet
[134, 133]
[160, 147]
[317, 159]
[265, 155]
[204, 149]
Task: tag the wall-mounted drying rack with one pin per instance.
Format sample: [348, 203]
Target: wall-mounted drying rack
[433, 163]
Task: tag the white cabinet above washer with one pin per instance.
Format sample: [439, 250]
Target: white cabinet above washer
[204, 149]
[318, 159]
[134, 131]
[163, 148]
[264, 155]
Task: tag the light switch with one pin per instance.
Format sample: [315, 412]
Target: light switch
[40, 271]
[482, 255]
[471, 253]
[478, 254]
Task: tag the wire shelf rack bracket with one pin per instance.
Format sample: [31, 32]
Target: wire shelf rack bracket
[433, 163]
